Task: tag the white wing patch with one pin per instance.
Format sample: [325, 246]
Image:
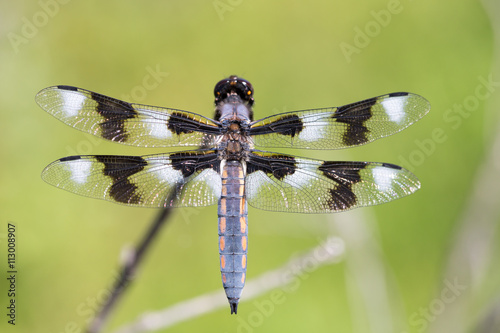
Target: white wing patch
[169, 175]
[300, 178]
[212, 178]
[253, 182]
[72, 103]
[384, 177]
[314, 128]
[157, 126]
[157, 129]
[395, 108]
[80, 171]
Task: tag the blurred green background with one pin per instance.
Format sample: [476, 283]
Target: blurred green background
[426, 263]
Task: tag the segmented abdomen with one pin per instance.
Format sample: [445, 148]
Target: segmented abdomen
[233, 231]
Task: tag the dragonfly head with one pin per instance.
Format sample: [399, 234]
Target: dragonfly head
[234, 85]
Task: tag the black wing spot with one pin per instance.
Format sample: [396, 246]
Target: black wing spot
[277, 165]
[392, 166]
[398, 94]
[69, 158]
[178, 123]
[119, 168]
[189, 162]
[115, 112]
[290, 125]
[341, 198]
[345, 175]
[71, 88]
[355, 116]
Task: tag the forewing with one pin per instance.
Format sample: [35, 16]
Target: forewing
[191, 178]
[340, 127]
[127, 123]
[286, 183]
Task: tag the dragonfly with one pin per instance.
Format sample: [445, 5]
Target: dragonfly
[225, 167]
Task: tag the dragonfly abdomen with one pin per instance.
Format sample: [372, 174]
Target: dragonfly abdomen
[233, 231]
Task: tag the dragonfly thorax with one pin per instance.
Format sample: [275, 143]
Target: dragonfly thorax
[234, 143]
[233, 108]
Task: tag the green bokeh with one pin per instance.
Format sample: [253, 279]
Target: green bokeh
[292, 52]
